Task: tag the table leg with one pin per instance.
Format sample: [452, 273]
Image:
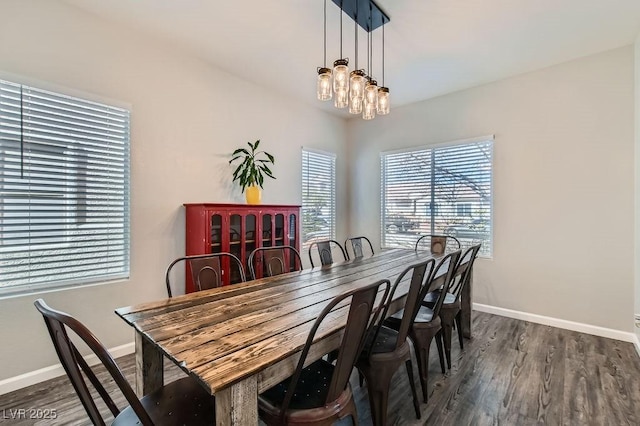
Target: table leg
[149, 366]
[238, 404]
[465, 300]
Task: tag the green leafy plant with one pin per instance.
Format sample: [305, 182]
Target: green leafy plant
[252, 169]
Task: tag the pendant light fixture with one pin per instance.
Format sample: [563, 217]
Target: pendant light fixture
[341, 75]
[357, 79]
[370, 100]
[371, 88]
[355, 89]
[383, 92]
[324, 90]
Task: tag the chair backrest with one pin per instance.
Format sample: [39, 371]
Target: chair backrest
[356, 246]
[463, 270]
[420, 274]
[441, 278]
[358, 321]
[74, 364]
[206, 270]
[275, 260]
[324, 251]
[437, 244]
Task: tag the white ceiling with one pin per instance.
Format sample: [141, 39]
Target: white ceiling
[433, 47]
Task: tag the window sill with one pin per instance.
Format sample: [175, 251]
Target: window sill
[36, 291]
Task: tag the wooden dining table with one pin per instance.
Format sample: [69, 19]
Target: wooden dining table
[239, 340]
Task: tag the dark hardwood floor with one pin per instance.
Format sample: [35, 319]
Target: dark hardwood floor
[512, 372]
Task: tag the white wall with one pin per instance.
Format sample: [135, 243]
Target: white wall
[186, 118]
[564, 184]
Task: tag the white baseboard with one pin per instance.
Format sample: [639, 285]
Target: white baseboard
[560, 323]
[31, 378]
[636, 343]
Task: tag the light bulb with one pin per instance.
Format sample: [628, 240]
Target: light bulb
[324, 90]
[341, 75]
[355, 105]
[383, 101]
[368, 111]
[356, 84]
[371, 92]
[341, 99]
[370, 100]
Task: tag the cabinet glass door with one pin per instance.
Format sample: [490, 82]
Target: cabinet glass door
[293, 227]
[291, 235]
[267, 232]
[279, 237]
[235, 247]
[249, 238]
[216, 233]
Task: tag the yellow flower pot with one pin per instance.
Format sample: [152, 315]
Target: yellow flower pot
[253, 194]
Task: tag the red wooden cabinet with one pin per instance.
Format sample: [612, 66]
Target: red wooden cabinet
[238, 229]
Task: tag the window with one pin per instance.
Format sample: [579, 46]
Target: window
[318, 196]
[438, 190]
[64, 190]
[463, 209]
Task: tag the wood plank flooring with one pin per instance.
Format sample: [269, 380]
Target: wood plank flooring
[512, 372]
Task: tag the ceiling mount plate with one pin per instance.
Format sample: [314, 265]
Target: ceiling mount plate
[369, 15]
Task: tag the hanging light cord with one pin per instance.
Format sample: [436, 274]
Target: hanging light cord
[371, 35]
[367, 31]
[383, 53]
[371, 53]
[325, 33]
[340, 29]
[356, 33]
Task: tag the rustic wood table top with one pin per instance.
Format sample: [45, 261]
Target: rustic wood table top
[239, 340]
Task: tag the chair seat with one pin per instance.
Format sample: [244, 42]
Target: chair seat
[385, 341]
[394, 320]
[424, 315]
[183, 402]
[311, 392]
[432, 297]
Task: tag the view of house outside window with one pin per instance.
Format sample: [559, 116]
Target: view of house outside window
[444, 190]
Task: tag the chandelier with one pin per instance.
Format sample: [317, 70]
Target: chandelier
[357, 90]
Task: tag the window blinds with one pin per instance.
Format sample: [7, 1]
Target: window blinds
[318, 196]
[443, 190]
[64, 190]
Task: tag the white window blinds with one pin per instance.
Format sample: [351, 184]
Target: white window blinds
[64, 190]
[318, 196]
[444, 190]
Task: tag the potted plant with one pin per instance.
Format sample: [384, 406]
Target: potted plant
[251, 170]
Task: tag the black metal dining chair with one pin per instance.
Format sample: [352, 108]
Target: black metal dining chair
[274, 261]
[357, 247]
[450, 311]
[325, 251]
[320, 394]
[426, 321]
[183, 401]
[387, 349]
[206, 270]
